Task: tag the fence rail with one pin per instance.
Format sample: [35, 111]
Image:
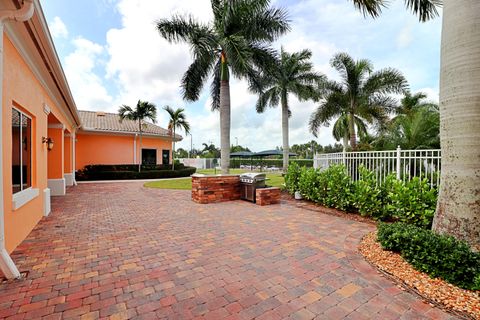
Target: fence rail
[406, 164]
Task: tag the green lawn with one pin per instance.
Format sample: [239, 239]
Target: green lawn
[274, 180]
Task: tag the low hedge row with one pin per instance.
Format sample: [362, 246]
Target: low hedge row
[96, 174]
[413, 201]
[437, 255]
[130, 167]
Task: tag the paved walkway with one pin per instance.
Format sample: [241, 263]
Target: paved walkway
[123, 251]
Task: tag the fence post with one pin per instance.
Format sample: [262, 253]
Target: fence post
[344, 157]
[398, 161]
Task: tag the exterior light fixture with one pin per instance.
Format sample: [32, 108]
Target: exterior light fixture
[49, 142]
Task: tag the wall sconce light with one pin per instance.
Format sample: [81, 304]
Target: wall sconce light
[49, 143]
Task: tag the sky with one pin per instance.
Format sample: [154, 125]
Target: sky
[112, 55]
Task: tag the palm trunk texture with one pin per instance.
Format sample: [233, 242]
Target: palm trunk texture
[286, 148]
[225, 126]
[458, 207]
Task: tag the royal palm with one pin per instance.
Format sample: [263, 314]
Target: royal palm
[178, 120]
[361, 96]
[234, 43]
[289, 74]
[143, 110]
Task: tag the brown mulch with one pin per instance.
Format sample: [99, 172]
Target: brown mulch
[462, 302]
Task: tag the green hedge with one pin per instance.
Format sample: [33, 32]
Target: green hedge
[122, 172]
[437, 255]
[235, 163]
[393, 200]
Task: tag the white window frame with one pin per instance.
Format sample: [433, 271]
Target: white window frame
[23, 196]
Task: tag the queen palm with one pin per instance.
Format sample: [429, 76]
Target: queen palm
[340, 128]
[236, 41]
[289, 74]
[144, 110]
[458, 212]
[361, 96]
[178, 120]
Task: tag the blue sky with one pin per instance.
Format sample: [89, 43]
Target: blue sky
[112, 55]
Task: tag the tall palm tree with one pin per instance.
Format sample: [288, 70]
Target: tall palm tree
[178, 120]
[144, 110]
[458, 212]
[236, 41]
[291, 73]
[362, 95]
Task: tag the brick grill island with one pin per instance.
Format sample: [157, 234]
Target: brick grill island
[215, 188]
[267, 196]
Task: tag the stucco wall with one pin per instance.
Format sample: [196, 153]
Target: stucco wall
[114, 149]
[23, 90]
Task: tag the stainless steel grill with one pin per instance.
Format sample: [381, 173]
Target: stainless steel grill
[249, 183]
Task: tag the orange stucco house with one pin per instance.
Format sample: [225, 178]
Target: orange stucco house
[44, 138]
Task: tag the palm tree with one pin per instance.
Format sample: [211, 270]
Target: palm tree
[144, 110]
[424, 9]
[236, 41]
[291, 73]
[340, 130]
[178, 120]
[458, 212]
[361, 96]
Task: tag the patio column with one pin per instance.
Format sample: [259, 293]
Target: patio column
[68, 157]
[56, 162]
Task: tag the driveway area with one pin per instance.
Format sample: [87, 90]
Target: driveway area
[122, 251]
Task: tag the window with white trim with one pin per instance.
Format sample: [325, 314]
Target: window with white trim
[21, 151]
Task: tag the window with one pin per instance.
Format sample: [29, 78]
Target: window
[149, 156]
[165, 156]
[21, 151]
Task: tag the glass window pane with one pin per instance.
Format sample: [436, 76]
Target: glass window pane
[26, 152]
[16, 116]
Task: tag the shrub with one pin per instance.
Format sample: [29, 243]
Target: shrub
[340, 189]
[437, 255]
[412, 202]
[292, 177]
[235, 163]
[115, 173]
[311, 185]
[369, 196]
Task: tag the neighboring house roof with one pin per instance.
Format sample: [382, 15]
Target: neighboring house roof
[110, 123]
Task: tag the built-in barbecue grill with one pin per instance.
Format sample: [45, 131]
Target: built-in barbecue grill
[249, 182]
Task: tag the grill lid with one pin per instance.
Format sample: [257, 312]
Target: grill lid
[253, 176]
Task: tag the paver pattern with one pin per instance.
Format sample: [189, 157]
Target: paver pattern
[121, 251]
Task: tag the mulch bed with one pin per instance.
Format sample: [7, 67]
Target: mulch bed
[462, 302]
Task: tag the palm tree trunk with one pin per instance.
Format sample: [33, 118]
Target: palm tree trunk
[173, 151]
[224, 116]
[458, 207]
[351, 129]
[140, 153]
[286, 150]
[345, 142]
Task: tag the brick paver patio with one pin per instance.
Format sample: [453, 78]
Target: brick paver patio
[123, 251]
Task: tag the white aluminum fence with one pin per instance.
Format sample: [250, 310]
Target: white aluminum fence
[406, 164]
[200, 163]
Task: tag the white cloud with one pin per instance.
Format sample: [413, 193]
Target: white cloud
[405, 38]
[58, 29]
[87, 86]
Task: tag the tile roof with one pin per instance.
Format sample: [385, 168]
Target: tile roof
[110, 122]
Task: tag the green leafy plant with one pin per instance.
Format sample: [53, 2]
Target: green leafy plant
[412, 202]
[369, 196]
[340, 189]
[437, 255]
[292, 177]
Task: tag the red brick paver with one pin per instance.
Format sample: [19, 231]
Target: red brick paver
[121, 251]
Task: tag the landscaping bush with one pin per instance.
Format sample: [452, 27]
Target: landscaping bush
[292, 177]
[412, 202]
[369, 197]
[437, 255]
[121, 172]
